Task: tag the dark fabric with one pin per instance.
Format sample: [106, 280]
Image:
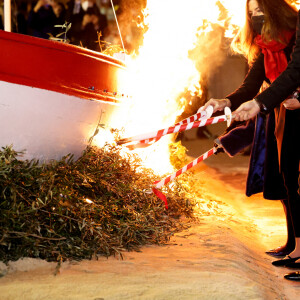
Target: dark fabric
[287, 81]
[237, 137]
[1, 23]
[241, 136]
[290, 243]
[257, 23]
[264, 175]
[256, 174]
[274, 188]
[251, 84]
[42, 23]
[290, 165]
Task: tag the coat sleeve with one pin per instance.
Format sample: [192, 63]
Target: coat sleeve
[287, 82]
[251, 84]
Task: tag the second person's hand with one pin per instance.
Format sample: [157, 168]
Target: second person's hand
[246, 111]
[291, 104]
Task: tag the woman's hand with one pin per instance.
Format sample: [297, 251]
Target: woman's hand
[291, 103]
[246, 111]
[217, 104]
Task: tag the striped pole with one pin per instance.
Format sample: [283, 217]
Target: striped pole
[200, 115]
[156, 135]
[161, 183]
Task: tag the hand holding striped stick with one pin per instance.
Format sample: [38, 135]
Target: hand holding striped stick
[161, 183]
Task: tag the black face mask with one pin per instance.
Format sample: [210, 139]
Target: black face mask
[258, 23]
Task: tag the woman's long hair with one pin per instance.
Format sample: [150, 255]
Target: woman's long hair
[279, 16]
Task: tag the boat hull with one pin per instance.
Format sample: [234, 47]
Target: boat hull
[54, 95]
[48, 125]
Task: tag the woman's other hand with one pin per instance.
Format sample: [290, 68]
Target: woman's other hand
[291, 103]
[217, 104]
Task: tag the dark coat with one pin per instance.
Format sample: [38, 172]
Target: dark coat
[264, 175]
[42, 23]
[1, 23]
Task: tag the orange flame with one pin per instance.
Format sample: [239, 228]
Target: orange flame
[182, 43]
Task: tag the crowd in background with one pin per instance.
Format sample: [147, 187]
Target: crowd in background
[90, 20]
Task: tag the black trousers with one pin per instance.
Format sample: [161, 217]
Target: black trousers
[290, 159]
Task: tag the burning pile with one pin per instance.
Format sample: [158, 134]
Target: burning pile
[97, 205]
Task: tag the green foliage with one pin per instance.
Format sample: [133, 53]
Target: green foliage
[97, 205]
[62, 36]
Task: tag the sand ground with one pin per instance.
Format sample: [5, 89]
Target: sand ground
[219, 257]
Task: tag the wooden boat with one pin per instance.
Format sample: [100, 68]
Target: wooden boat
[54, 95]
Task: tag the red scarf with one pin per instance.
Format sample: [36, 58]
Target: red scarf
[275, 58]
[275, 63]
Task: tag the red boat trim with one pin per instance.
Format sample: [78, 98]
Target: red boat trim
[59, 67]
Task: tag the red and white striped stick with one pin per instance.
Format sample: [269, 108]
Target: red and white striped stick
[200, 115]
[155, 135]
[161, 183]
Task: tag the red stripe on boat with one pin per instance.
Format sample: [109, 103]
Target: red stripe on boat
[59, 67]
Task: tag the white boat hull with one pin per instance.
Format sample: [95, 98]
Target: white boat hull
[46, 124]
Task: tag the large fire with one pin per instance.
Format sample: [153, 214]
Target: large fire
[183, 42]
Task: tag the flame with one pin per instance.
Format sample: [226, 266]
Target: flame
[165, 68]
[182, 42]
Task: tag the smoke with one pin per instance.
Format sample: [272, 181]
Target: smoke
[211, 47]
[209, 53]
[131, 19]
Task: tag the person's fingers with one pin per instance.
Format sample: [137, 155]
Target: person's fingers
[291, 104]
[286, 105]
[203, 107]
[240, 114]
[236, 116]
[243, 116]
[239, 109]
[210, 102]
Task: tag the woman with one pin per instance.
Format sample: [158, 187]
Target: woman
[267, 41]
